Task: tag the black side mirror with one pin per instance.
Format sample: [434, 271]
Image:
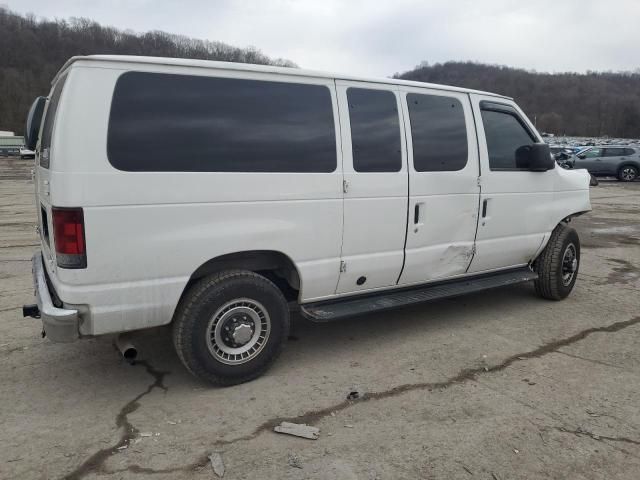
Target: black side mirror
[535, 157]
[581, 156]
[33, 123]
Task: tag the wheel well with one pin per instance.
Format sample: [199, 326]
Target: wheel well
[629, 164]
[275, 266]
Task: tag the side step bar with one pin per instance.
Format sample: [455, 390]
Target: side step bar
[331, 310]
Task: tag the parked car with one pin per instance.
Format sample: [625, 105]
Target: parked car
[9, 151]
[26, 153]
[212, 196]
[561, 153]
[622, 162]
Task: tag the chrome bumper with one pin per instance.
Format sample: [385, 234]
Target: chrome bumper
[60, 324]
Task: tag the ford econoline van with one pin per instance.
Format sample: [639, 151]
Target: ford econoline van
[216, 197]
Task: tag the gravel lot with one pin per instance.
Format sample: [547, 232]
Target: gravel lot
[497, 385]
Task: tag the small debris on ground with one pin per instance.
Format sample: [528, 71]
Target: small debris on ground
[354, 395]
[123, 447]
[516, 451]
[298, 430]
[348, 426]
[217, 464]
[294, 460]
[146, 434]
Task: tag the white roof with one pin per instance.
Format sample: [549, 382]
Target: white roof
[249, 67]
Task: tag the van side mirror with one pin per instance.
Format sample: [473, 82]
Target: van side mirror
[581, 156]
[535, 157]
[34, 118]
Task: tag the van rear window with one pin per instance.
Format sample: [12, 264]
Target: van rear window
[49, 120]
[167, 122]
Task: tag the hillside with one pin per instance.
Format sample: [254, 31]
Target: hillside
[592, 104]
[32, 51]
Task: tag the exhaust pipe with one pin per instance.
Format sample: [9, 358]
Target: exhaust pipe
[127, 349]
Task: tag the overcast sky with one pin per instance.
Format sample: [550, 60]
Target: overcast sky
[381, 37]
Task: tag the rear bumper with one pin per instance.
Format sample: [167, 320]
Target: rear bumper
[60, 324]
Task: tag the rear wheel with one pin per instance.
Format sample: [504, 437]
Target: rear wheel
[230, 327]
[627, 173]
[557, 266]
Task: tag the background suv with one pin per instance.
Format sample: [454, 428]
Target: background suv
[622, 162]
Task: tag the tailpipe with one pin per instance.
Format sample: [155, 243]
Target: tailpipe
[127, 349]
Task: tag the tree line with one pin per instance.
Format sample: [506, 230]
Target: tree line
[593, 104]
[32, 51]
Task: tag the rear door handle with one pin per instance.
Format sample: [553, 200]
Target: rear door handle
[484, 208]
[416, 214]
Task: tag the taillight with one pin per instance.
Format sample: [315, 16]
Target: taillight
[68, 236]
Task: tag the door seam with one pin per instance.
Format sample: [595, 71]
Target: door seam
[339, 139]
[475, 237]
[406, 148]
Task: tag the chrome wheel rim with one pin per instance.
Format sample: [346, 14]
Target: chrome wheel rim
[569, 264]
[628, 173]
[238, 331]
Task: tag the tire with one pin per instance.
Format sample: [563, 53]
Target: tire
[557, 271]
[216, 317]
[627, 173]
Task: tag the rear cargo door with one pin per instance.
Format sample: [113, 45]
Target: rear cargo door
[43, 161]
[375, 185]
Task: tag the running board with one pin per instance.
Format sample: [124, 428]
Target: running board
[331, 310]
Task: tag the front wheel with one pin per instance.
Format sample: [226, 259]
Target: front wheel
[557, 266]
[628, 173]
[230, 327]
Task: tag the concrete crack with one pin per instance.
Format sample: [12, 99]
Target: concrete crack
[584, 433]
[313, 416]
[591, 360]
[95, 463]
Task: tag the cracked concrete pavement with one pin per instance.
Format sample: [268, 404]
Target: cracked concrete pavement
[496, 385]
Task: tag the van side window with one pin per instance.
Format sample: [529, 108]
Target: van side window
[505, 134]
[438, 132]
[171, 123]
[375, 130]
[50, 116]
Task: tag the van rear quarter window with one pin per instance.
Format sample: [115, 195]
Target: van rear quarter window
[49, 120]
[168, 122]
[438, 133]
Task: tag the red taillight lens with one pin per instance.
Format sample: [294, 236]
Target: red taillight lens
[68, 235]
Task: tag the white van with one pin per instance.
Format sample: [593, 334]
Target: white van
[218, 196]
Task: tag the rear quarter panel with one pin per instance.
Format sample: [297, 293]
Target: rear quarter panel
[147, 232]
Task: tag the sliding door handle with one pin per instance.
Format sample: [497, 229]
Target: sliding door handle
[484, 208]
[416, 214]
